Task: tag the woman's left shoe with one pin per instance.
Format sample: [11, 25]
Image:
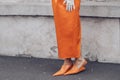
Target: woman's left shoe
[75, 69]
[63, 69]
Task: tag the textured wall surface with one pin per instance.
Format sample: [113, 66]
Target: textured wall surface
[35, 36]
[101, 39]
[42, 8]
[26, 1]
[32, 35]
[26, 36]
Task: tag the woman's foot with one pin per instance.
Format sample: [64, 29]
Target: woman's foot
[77, 67]
[79, 62]
[64, 68]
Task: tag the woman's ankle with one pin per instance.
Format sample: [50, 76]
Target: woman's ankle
[67, 61]
[79, 59]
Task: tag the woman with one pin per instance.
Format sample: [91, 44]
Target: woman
[68, 34]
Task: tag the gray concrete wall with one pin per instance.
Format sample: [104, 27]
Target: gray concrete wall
[26, 1]
[27, 29]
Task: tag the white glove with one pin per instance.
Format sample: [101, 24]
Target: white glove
[69, 5]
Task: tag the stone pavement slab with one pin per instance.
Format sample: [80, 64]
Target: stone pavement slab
[22, 68]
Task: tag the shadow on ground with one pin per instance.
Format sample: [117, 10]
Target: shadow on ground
[17, 68]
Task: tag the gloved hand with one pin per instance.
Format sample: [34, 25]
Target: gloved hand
[69, 5]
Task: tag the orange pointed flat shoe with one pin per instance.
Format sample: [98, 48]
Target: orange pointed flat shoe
[63, 69]
[75, 69]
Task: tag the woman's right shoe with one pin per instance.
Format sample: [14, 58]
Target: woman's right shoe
[75, 70]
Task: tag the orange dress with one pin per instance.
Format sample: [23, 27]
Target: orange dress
[68, 29]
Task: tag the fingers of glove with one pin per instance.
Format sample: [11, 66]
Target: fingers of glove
[67, 7]
[70, 7]
[73, 7]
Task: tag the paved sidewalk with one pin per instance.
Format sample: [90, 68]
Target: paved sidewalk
[17, 68]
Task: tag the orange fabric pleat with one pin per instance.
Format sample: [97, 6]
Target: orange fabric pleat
[68, 29]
